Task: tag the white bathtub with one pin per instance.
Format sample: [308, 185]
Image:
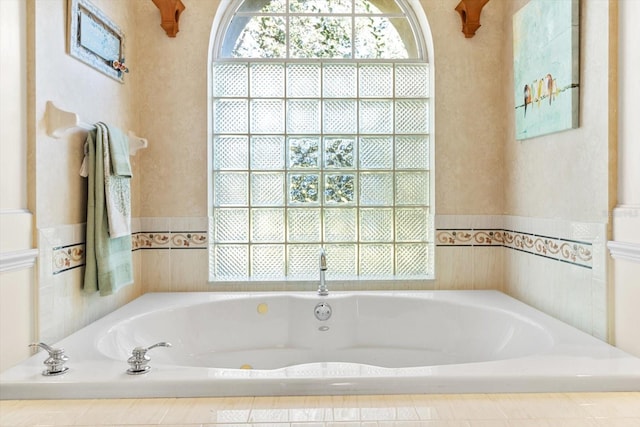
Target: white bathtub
[231, 344]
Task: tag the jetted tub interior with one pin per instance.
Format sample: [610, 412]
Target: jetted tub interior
[274, 332]
[228, 344]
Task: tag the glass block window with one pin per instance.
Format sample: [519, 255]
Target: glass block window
[320, 117]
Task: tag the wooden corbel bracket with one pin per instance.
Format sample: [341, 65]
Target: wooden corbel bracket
[469, 11]
[170, 11]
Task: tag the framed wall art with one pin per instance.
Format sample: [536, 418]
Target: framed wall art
[546, 65]
[95, 39]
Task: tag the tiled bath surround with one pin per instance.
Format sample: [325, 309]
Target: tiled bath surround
[62, 310]
[556, 266]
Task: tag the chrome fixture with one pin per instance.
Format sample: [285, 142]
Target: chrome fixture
[322, 287]
[139, 360]
[56, 360]
[322, 311]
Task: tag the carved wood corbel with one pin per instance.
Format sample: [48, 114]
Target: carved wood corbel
[469, 11]
[170, 11]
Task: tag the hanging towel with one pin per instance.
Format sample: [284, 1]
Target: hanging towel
[117, 183]
[109, 263]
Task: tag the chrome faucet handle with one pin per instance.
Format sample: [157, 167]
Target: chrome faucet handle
[56, 360]
[139, 361]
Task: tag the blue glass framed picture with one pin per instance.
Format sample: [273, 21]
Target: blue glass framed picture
[96, 40]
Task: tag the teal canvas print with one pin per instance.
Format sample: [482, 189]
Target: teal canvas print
[546, 54]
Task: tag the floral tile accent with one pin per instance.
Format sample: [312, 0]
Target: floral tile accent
[151, 240]
[469, 237]
[170, 240]
[571, 251]
[68, 257]
[189, 240]
[574, 252]
[73, 256]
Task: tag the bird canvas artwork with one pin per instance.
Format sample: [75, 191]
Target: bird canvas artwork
[546, 67]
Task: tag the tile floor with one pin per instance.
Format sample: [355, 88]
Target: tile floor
[467, 410]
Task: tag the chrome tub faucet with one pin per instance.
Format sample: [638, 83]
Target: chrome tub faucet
[322, 287]
[56, 360]
[138, 362]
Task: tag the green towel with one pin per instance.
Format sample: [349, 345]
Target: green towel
[117, 180]
[118, 151]
[109, 264]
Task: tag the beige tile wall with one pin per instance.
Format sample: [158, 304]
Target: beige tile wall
[556, 266]
[17, 326]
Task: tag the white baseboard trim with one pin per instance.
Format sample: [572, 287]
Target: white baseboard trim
[624, 250]
[18, 260]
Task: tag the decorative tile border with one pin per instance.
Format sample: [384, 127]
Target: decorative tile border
[73, 256]
[170, 240]
[189, 240]
[68, 257]
[571, 251]
[469, 237]
[151, 240]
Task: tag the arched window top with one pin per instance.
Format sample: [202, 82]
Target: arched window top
[319, 29]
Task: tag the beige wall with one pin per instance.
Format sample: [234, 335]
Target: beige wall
[482, 173]
[626, 218]
[13, 108]
[469, 173]
[174, 106]
[564, 175]
[17, 322]
[58, 192]
[559, 184]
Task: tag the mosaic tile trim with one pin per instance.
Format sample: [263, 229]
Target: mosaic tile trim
[68, 257]
[73, 256]
[570, 251]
